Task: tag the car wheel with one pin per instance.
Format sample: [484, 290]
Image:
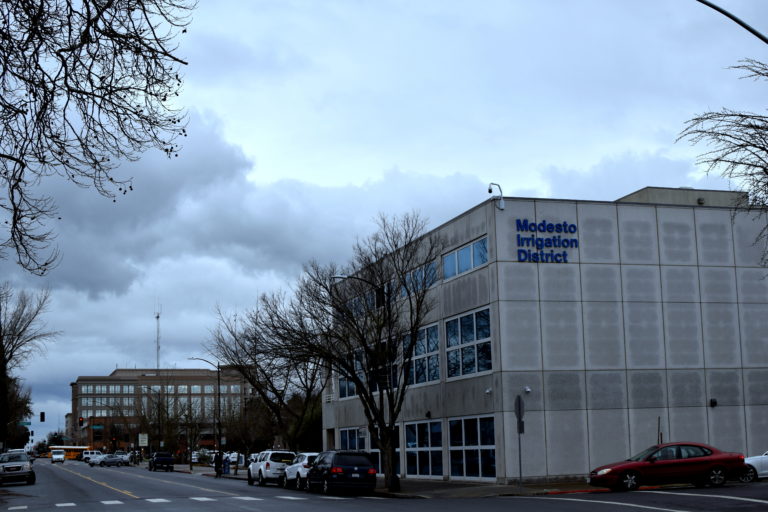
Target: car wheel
[31, 479]
[326, 486]
[101, 464]
[716, 477]
[630, 481]
[299, 483]
[749, 475]
[250, 478]
[119, 464]
[285, 483]
[281, 481]
[262, 481]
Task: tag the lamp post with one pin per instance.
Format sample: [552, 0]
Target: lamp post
[217, 413]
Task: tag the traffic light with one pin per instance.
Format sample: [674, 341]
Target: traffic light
[80, 421]
[42, 417]
[32, 433]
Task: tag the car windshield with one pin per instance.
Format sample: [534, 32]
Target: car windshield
[13, 457]
[286, 457]
[58, 452]
[643, 454]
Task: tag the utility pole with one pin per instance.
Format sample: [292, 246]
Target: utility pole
[157, 336]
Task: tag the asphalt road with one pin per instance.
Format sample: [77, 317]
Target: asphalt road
[78, 487]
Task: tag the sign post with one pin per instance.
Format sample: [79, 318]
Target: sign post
[520, 412]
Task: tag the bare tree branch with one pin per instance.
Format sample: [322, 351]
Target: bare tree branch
[83, 85]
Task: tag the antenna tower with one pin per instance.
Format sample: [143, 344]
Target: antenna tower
[158, 310]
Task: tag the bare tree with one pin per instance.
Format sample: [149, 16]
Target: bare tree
[363, 320]
[738, 148]
[288, 387]
[83, 85]
[22, 335]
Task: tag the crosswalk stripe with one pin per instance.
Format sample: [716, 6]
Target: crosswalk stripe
[158, 500]
[203, 499]
[247, 498]
[65, 504]
[20, 507]
[112, 502]
[290, 497]
[332, 498]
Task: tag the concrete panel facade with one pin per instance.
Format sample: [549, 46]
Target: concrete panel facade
[626, 322]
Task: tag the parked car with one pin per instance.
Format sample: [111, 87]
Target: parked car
[124, 456]
[336, 470]
[757, 467]
[269, 466]
[87, 454]
[161, 460]
[296, 473]
[57, 456]
[16, 467]
[109, 459]
[684, 462]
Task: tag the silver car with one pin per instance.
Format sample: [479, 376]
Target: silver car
[16, 467]
[269, 466]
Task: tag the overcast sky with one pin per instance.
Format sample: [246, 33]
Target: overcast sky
[307, 118]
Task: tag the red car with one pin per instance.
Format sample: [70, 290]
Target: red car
[695, 463]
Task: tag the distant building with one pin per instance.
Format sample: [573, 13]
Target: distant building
[116, 408]
[617, 323]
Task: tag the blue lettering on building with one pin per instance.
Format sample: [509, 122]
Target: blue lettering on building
[545, 242]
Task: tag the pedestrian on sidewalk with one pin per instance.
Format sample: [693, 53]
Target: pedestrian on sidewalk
[217, 462]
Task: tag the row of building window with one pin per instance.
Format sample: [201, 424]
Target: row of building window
[465, 258]
[468, 351]
[103, 389]
[471, 453]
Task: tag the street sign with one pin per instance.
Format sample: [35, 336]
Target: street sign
[25, 423]
[97, 427]
[144, 440]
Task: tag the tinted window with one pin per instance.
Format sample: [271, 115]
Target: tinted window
[13, 457]
[688, 452]
[311, 459]
[352, 460]
[281, 457]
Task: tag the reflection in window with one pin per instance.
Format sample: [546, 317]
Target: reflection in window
[470, 334]
[472, 447]
[424, 453]
[465, 258]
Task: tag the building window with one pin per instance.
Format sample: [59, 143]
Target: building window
[100, 388]
[208, 389]
[156, 389]
[169, 389]
[465, 258]
[128, 389]
[196, 389]
[351, 439]
[472, 447]
[468, 341]
[235, 388]
[346, 387]
[114, 389]
[424, 452]
[182, 389]
[425, 361]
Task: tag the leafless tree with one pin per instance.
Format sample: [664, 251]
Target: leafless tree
[362, 321]
[84, 84]
[22, 335]
[738, 148]
[289, 388]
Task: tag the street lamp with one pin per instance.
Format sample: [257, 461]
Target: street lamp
[217, 414]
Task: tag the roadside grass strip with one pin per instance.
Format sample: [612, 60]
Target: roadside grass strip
[620, 504]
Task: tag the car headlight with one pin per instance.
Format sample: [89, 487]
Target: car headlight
[26, 466]
[603, 472]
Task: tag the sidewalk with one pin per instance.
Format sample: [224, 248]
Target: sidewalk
[418, 488]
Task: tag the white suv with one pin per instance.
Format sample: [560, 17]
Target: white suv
[57, 456]
[269, 466]
[89, 454]
[296, 473]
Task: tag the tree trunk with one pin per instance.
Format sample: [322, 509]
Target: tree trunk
[389, 463]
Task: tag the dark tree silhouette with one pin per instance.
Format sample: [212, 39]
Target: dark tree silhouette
[84, 84]
[21, 336]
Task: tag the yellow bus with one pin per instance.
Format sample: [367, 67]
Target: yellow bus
[70, 452]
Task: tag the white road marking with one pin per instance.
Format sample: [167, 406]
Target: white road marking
[290, 497]
[65, 504]
[620, 504]
[158, 500]
[112, 502]
[333, 498]
[247, 498]
[753, 500]
[372, 497]
[20, 507]
[203, 499]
